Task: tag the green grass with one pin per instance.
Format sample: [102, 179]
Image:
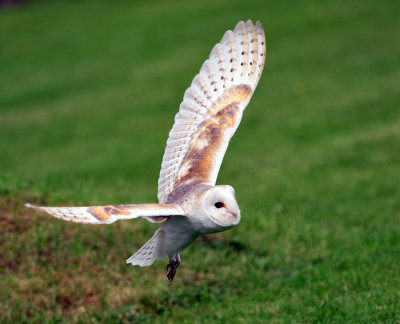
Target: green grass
[88, 93]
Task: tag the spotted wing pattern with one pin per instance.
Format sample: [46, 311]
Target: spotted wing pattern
[211, 110]
[111, 213]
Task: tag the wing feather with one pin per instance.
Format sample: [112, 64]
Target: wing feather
[211, 110]
[111, 213]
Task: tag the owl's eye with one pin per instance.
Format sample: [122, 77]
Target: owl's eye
[219, 204]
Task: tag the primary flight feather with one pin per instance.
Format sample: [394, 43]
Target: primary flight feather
[208, 117]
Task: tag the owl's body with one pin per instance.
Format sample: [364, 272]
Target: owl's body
[199, 206]
[209, 115]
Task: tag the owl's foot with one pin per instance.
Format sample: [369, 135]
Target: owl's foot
[172, 266]
[171, 270]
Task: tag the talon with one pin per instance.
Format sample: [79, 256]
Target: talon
[171, 274]
[171, 270]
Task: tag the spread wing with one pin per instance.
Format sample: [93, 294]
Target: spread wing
[211, 110]
[111, 213]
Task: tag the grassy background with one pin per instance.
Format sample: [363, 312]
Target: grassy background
[88, 92]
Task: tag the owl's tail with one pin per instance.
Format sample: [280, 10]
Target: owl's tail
[147, 254]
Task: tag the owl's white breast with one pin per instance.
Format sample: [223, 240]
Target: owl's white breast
[174, 236]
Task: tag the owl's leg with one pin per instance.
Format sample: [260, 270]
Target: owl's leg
[172, 266]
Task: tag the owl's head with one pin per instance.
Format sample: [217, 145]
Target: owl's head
[221, 207]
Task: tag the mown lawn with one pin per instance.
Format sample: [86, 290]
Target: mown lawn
[88, 93]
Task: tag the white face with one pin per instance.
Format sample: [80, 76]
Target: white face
[221, 207]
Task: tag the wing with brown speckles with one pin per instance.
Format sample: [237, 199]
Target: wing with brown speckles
[211, 110]
[111, 213]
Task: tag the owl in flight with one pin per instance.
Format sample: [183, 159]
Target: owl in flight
[208, 116]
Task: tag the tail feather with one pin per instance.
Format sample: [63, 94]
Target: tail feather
[146, 255]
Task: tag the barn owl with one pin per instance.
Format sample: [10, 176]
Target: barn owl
[190, 202]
